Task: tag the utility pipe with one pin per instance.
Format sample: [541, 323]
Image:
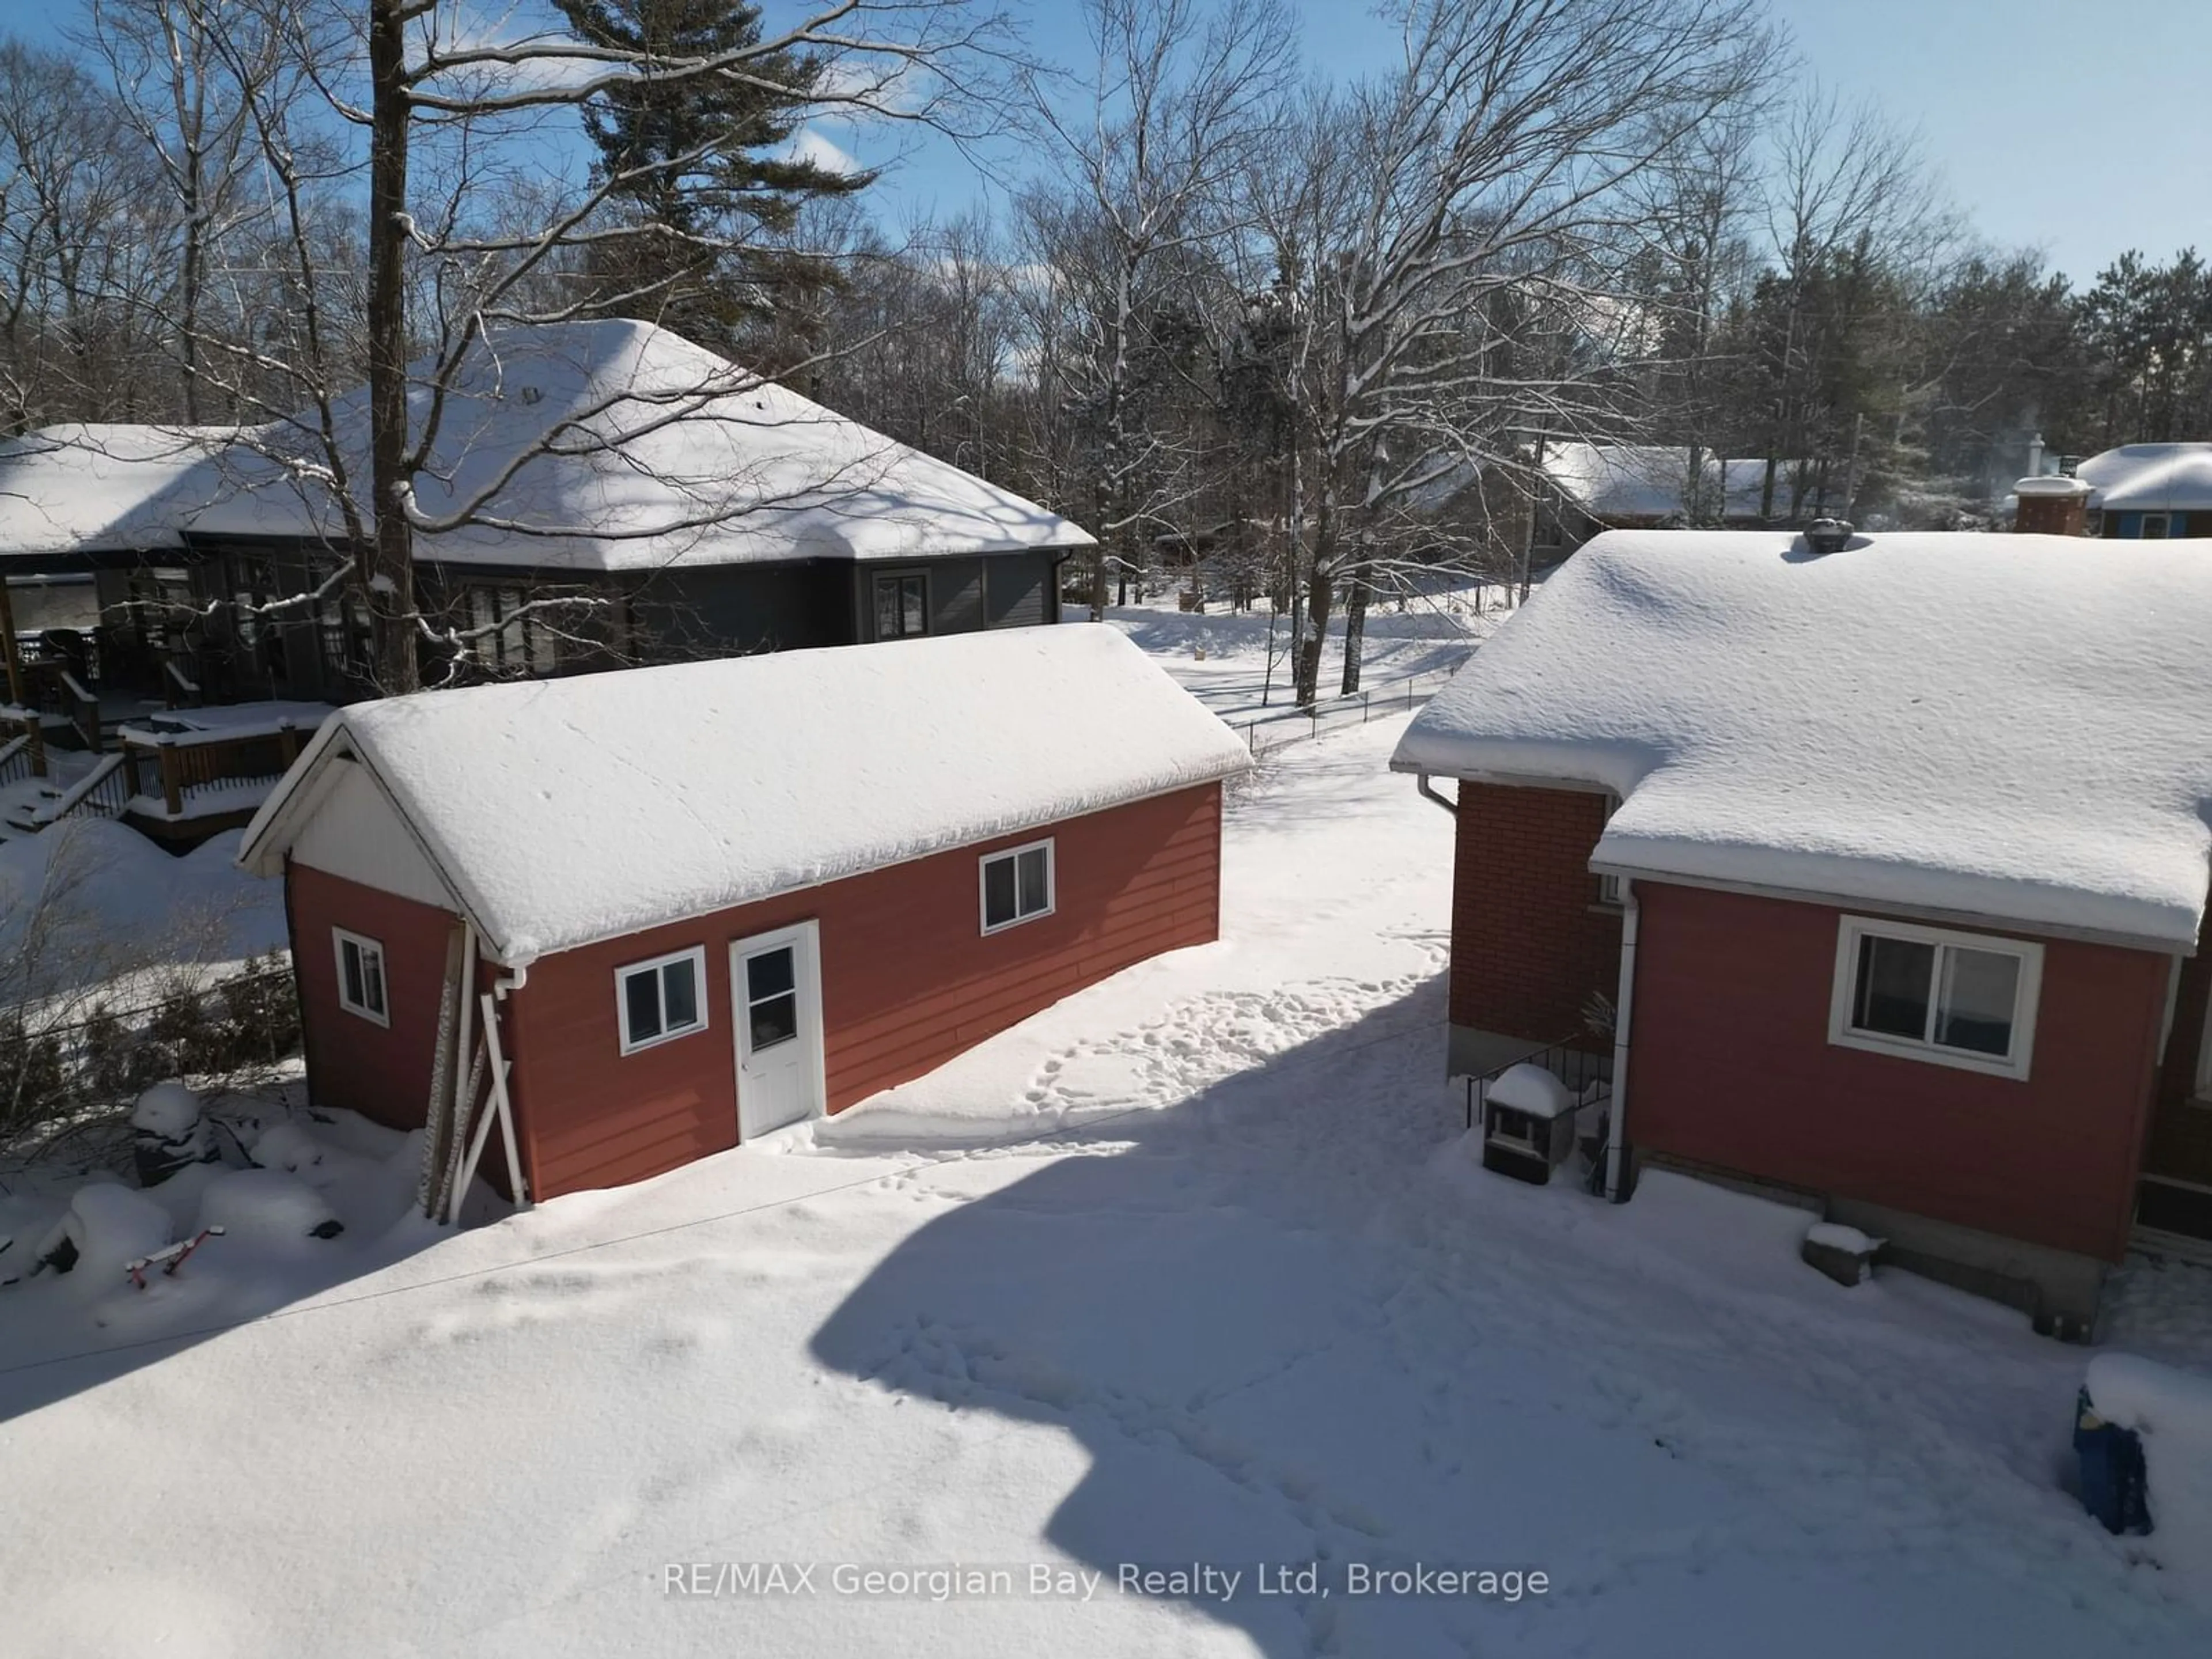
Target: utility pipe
[1616, 1140]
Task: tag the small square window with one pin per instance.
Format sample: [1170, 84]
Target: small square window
[361, 976]
[2156, 526]
[661, 1000]
[1018, 885]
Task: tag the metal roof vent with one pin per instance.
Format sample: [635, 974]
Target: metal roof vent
[1828, 535]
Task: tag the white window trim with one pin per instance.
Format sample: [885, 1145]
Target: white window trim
[983, 890]
[2165, 528]
[340, 938]
[1852, 929]
[696, 955]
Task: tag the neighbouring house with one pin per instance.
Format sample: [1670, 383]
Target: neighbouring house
[2150, 492]
[93, 557]
[683, 507]
[694, 903]
[1586, 488]
[598, 495]
[1891, 863]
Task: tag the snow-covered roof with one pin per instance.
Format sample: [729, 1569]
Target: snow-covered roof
[1647, 480]
[2156, 478]
[85, 486]
[1992, 726]
[563, 811]
[656, 452]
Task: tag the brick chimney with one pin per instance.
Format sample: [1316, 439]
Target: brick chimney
[2051, 506]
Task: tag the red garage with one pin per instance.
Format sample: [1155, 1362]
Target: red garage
[644, 916]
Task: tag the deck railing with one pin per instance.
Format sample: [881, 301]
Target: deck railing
[182, 765]
[17, 762]
[100, 792]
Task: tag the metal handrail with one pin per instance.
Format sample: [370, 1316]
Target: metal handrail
[1576, 1068]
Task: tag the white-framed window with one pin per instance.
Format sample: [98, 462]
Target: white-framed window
[2157, 526]
[361, 976]
[662, 1000]
[1964, 999]
[1018, 885]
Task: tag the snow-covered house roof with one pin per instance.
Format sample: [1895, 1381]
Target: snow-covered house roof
[619, 446]
[559, 812]
[95, 488]
[1978, 724]
[1613, 482]
[2153, 478]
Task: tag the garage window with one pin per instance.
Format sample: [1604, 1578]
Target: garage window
[361, 976]
[1018, 885]
[663, 999]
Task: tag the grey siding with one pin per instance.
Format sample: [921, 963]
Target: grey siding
[997, 590]
[956, 596]
[732, 609]
[1019, 591]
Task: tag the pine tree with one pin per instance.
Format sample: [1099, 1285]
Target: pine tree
[705, 161]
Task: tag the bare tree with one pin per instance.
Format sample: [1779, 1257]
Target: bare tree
[1856, 227]
[189, 76]
[81, 263]
[1483, 223]
[1177, 101]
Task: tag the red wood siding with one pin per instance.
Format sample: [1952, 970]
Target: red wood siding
[1730, 1065]
[382, 1073]
[1529, 941]
[908, 981]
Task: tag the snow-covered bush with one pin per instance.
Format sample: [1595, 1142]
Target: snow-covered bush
[290, 1147]
[268, 1206]
[108, 1228]
[168, 1132]
[106, 947]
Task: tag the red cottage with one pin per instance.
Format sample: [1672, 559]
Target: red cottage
[613, 923]
[1870, 875]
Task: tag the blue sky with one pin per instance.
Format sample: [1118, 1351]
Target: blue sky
[2079, 126]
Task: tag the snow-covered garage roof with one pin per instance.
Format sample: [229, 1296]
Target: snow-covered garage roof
[2156, 478]
[104, 487]
[563, 811]
[1992, 726]
[656, 451]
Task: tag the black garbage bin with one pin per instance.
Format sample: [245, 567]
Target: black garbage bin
[2114, 1485]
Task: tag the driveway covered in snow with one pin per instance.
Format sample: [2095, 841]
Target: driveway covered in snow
[1189, 1272]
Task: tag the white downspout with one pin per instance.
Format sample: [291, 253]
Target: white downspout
[1616, 1140]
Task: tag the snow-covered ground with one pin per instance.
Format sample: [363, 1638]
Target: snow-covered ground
[1190, 1271]
[1234, 661]
[87, 901]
